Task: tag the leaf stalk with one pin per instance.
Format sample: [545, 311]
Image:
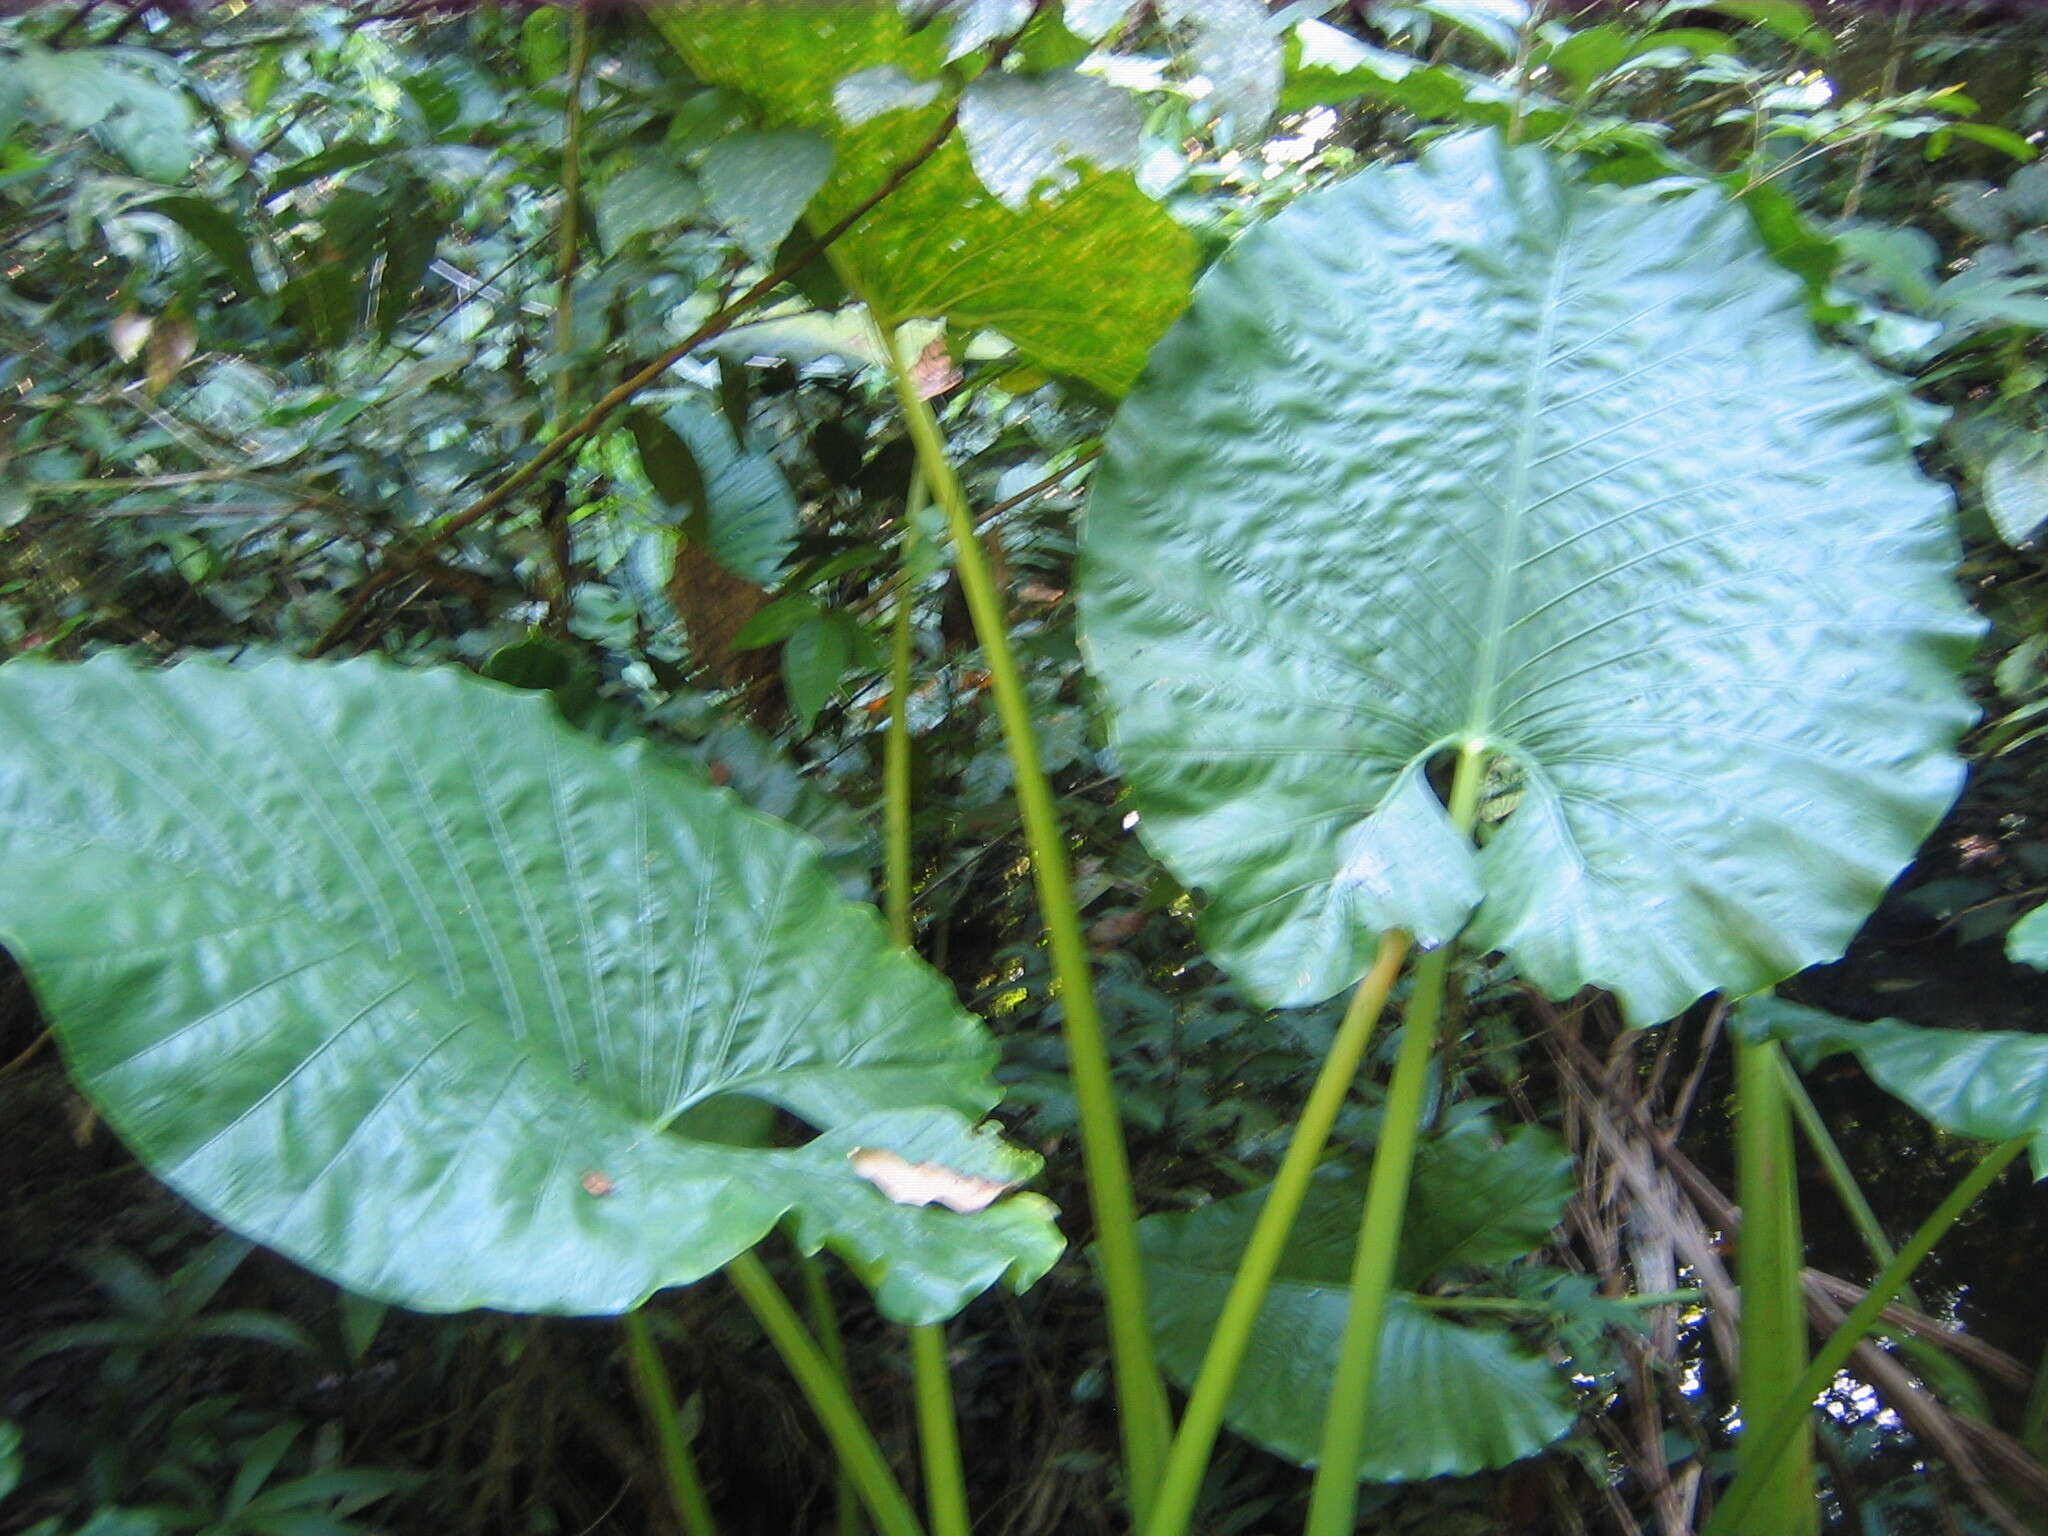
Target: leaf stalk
[1774, 1433]
[828, 1396]
[1202, 1418]
[1144, 1419]
[945, 1480]
[1333, 1500]
[672, 1446]
[1773, 1306]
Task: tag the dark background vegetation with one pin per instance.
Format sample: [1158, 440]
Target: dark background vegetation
[231, 483]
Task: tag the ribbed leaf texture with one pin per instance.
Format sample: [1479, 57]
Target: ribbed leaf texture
[399, 974]
[1473, 450]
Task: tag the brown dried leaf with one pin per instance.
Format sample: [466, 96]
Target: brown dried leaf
[172, 341]
[909, 1183]
[935, 372]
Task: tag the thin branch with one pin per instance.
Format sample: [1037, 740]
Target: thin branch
[71, 23]
[599, 413]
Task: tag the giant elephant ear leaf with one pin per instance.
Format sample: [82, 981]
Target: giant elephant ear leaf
[399, 974]
[1450, 1398]
[1470, 451]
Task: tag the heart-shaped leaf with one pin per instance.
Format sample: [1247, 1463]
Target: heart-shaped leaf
[1989, 1084]
[398, 973]
[1450, 1398]
[1470, 451]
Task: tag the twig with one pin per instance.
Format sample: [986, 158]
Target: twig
[599, 413]
[1971, 1350]
[71, 23]
[29, 1055]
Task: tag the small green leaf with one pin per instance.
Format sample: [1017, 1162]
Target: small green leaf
[1327, 66]
[412, 231]
[1497, 23]
[217, 233]
[1789, 19]
[1997, 138]
[332, 161]
[1095, 19]
[1591, 52]
[362, 1319]
[10, 1457]
[547, 665]
[76, 88]
[758, 184]
[266, 73]
[1232, 45]
[1025, 132]
[671, 468]
[750, 512]
[2015, 486]
[870, 93]
[814, 659]
[648, 195]
[13, 102]
[775, 622]
[151, 127]
[970, 24]
[544, 43]
[2026, 942]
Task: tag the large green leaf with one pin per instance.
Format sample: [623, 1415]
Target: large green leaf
[399, 974]
[1083, 279]
[1989, 1084]
[1470, 450]
[1450, 1398]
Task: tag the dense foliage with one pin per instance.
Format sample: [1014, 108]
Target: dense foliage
[1568, 478]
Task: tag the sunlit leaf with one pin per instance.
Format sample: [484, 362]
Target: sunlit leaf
[1081, 282]
[758, 184]
[1471, 450]
[399, 974]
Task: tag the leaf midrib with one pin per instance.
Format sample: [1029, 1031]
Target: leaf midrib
[1508, 549]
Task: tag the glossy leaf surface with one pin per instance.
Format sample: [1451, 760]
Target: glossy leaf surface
[399, 974]
[1470, 450]
[1450, 1398]
[1988, 1084]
